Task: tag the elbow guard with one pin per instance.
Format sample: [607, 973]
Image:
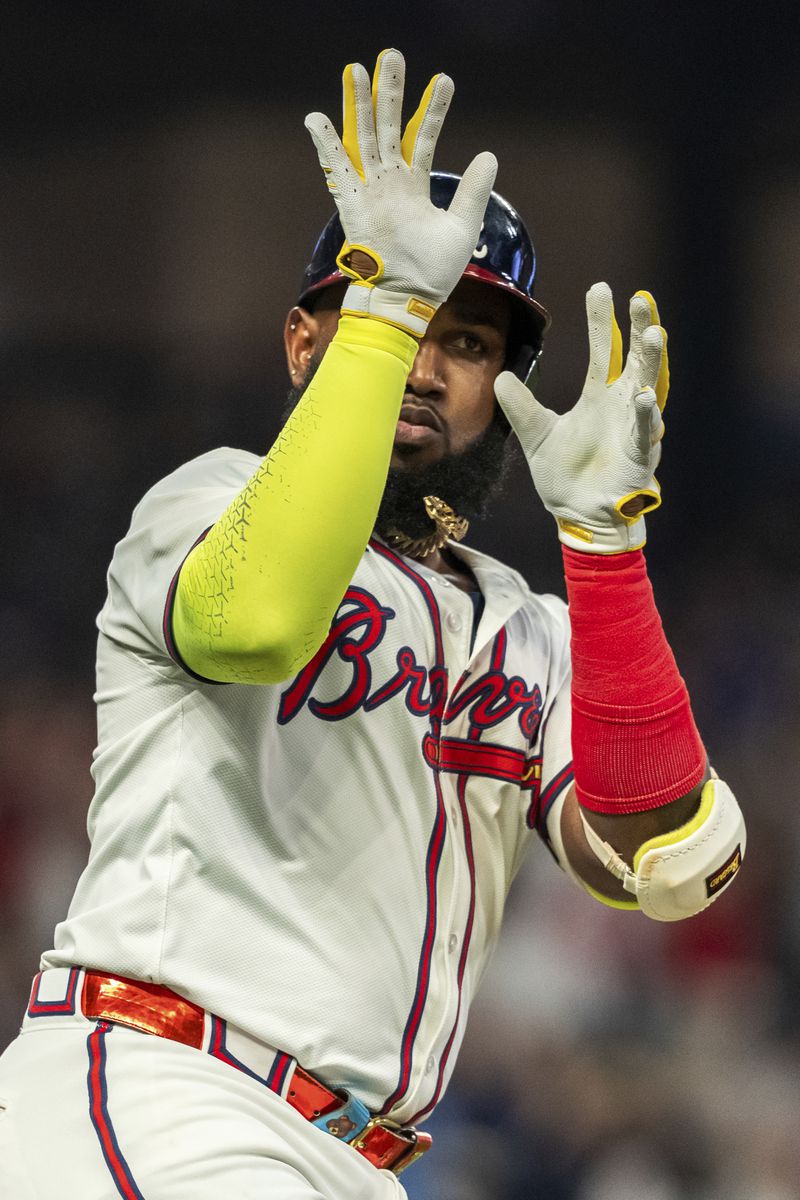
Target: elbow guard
[679, 873]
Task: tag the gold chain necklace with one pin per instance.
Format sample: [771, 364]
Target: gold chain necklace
[448, 525]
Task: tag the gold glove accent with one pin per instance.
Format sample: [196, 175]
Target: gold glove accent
[448, 525]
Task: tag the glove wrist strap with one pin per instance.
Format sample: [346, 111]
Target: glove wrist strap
[410, 313]
[602, 539]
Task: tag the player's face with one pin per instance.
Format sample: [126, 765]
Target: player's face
[449, 398]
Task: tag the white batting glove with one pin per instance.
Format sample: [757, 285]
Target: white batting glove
[380, 181]
[594, 466]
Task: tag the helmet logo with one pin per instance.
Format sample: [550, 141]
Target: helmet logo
[480, 251]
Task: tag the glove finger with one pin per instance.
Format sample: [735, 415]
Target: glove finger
[422, 131]
[640, 319]
[529, 419]
[333, 159]
[650, 363]
[605, 339]
[649, 299]
[615, 360]
[472, 194]
[662, 383]
[358, 122]
[388, 81]
[647, 427]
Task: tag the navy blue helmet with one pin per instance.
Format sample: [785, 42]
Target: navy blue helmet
[503, 258]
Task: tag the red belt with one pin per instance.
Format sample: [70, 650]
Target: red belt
[151, 1008]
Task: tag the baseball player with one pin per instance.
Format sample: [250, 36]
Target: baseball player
[328, 729]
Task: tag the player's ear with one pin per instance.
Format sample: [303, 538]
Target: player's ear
[300, 336]
[307, 334]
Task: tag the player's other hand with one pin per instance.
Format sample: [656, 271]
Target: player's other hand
[594, 467]
[403, 253]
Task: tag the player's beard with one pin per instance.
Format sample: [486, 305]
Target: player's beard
[468, 481]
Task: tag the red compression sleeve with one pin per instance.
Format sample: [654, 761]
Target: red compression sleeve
[634, 741]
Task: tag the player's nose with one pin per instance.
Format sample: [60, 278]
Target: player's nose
[426, 376]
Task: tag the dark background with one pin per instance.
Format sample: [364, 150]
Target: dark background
[159, 200]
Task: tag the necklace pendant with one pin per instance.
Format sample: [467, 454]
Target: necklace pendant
[448, 525]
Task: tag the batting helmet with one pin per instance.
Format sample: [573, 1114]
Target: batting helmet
[503, 258]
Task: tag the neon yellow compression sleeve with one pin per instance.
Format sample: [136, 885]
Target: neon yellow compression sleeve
[255, 599]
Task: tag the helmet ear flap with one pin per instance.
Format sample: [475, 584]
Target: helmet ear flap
[524, 341]
[532, 371]
[524, 363]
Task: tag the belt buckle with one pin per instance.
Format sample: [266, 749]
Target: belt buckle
[421, 1144]
[417, 1143]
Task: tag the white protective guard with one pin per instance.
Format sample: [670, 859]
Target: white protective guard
[680, 873]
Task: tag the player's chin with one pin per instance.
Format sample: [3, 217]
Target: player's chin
[417, 446]
[415, 458]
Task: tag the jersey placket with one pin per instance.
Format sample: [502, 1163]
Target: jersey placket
[456, 877]
[465, 728]
[464, 662]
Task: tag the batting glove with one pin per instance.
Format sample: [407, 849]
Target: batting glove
[380, 181]
[594, 466]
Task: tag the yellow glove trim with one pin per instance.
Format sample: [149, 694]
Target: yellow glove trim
[680, 834]
[350, 121]
[662, 382]
[584, 535]
[630, 905]
[256, 598]
[421, 308]
[623, 500]
[409, 142]
[615, 358]
[346, 269]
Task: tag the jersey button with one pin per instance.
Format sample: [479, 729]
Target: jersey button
[452, 942]
[453, 622]
[429, 1065]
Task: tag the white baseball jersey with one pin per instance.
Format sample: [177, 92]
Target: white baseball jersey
[323, 862]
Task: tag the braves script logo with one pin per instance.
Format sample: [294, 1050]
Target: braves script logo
[357, 630]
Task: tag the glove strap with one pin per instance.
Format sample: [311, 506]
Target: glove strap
[410, 313]
[603, 539]
[608, 856]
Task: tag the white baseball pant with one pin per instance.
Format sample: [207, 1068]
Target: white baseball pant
[100, 1111]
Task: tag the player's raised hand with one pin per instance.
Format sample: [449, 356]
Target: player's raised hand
[379, 177]
[594, 466]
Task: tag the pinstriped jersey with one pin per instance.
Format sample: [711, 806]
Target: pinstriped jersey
[322, 862]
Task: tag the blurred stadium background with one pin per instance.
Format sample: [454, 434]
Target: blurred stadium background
[159, 200]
